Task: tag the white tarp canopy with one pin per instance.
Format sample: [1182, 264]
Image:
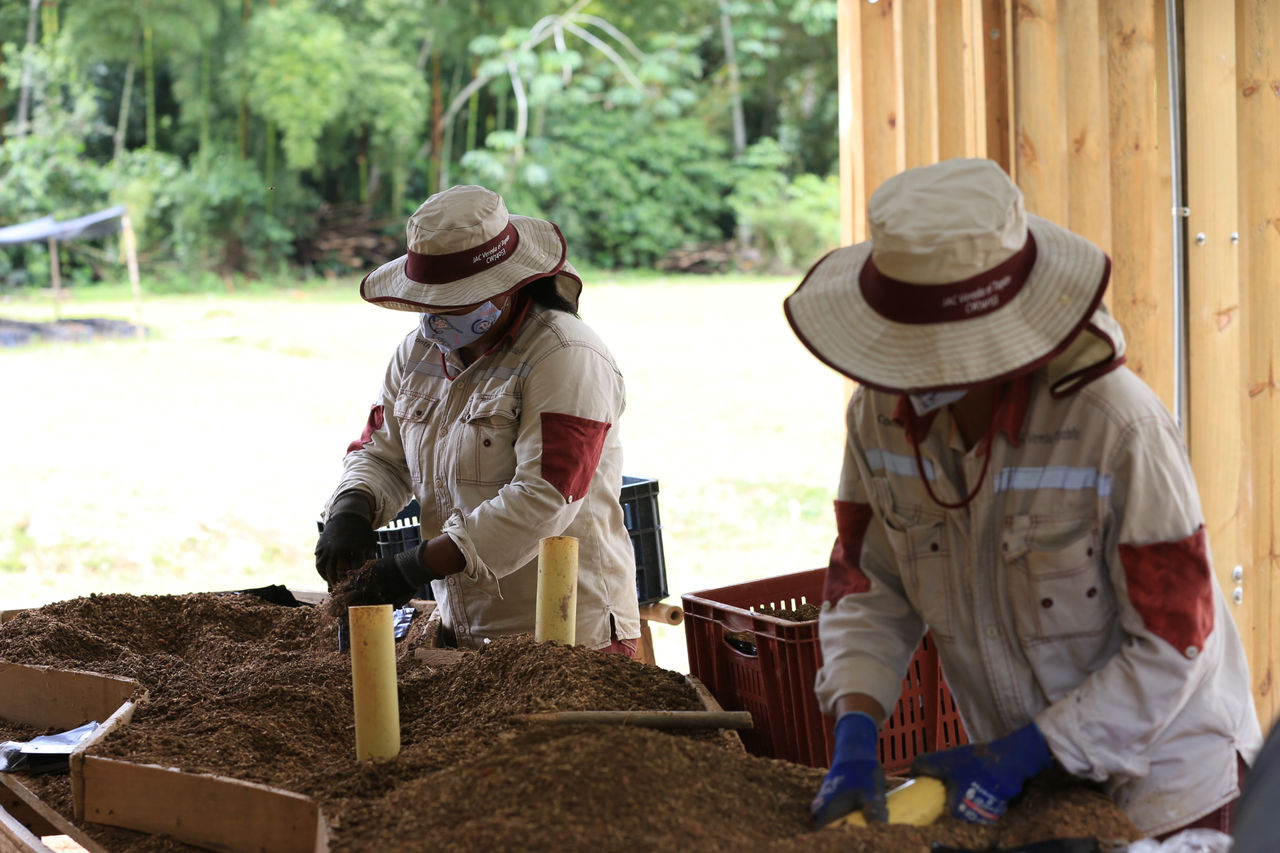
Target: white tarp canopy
[98, 224]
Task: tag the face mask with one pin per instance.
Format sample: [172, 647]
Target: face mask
[930, 400]
[455, 331]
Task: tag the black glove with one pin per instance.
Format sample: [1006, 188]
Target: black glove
[391, 580]
[347, 541]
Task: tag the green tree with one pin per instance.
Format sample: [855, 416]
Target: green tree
[149, 31]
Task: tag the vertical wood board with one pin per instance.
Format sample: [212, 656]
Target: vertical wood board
[922, 98]
[208, 811]
[852, 161]
[1141, 275]
[996, 23]
[882, 135]
[1039, 113]
[1088, 139]
[1258, 106]
[956, 81]
[1216, 405]
[60, 698]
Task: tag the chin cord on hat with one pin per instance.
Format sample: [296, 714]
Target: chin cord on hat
[984, 445]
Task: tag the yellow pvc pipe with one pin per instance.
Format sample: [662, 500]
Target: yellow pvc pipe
[557, 607]
[373, 682]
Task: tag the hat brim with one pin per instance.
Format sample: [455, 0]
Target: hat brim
[541, 252]
[830, 315]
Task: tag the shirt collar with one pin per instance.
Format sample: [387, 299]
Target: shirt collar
[1011, 411]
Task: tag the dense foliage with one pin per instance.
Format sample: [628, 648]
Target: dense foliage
[232, 128]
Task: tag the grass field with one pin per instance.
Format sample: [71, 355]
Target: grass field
[197, 459]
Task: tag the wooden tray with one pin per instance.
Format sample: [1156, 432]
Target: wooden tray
[190, 807]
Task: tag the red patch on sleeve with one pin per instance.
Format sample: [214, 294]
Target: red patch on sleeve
[844, 574]
[571, 448]
[372, 425]
[1170, 585]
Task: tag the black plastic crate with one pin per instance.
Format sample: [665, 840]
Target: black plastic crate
[640, 515]
[639, 501]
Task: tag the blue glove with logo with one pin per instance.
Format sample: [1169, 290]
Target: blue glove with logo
[982, 778]
[855, 780]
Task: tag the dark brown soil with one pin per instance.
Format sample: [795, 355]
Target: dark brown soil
[259, 692]
[806, 612]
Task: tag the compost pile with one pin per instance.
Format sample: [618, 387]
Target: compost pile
[238, 687]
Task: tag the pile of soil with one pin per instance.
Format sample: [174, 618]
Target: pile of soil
[239, 687]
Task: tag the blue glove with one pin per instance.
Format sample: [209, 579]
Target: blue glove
[981, 779]
[855, 780]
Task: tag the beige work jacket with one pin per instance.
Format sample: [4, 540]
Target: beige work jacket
[520, 445]
[1075, 590]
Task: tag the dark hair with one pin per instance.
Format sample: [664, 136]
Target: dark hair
[544, 293]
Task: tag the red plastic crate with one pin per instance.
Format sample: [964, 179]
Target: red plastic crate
[771, 675]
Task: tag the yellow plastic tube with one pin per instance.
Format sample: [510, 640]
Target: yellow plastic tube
[556, 617]
[373, 682]
[919, 802]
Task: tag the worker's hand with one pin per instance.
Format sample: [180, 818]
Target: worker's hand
[347, 541]
[855, 780]
[388, 580]
[981, 779]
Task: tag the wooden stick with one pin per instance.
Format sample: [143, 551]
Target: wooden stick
[668, 614]
[648, 719]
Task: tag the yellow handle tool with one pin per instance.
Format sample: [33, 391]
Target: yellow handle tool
[919, 802]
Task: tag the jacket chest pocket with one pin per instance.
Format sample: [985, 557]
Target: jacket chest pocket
[415, 415]
[487, 440]
[922, 549]
[1057, 585]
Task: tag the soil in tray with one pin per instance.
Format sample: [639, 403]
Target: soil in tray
[256, 691]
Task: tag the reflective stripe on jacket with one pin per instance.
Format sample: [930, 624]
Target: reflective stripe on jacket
[521, 445]
[1074, 590]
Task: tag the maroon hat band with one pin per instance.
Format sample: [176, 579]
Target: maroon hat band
[442, 269]
[917, 304]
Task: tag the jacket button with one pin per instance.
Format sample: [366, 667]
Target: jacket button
[1093, 590]
[487, 442]
[1192, 651]
[1046, 603]
[933, 546]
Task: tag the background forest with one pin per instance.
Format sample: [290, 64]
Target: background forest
[249, 138]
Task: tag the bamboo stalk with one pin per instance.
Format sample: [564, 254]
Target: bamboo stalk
[647, 719]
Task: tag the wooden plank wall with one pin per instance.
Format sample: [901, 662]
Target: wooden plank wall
[1072, 98]
[1257, 59]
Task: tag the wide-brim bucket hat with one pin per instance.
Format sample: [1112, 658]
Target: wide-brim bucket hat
[958, 286]
[464, 248]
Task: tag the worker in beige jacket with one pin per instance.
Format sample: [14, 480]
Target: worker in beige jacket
[1012, 488]
[499, 413]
